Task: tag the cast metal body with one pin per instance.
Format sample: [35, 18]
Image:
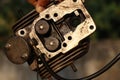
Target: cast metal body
[60, 32]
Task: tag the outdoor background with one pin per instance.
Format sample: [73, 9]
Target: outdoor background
[105, 42]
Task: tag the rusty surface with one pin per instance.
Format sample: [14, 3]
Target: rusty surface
[61, 32]
[81, 31]
[17, 50]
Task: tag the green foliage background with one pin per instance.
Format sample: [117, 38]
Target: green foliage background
[106, 14]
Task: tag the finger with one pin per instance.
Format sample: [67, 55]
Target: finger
[33, 2]
[43, 3]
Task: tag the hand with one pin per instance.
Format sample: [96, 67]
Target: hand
[40, 5]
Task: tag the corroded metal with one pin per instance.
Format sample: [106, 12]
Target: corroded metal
[82, 31]
[42, 27]
[61, 32]
[17, 50]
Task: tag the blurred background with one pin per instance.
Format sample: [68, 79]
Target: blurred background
[105, 42]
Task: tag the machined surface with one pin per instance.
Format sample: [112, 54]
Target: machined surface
[61, 32]
[82, 30]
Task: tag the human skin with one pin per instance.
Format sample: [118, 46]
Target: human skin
[40, 5]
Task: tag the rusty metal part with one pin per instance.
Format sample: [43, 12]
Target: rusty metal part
[25, 21]
[81, 31]
[42, 27]
[73, 67]
[52, 43]
[63, 60]
[17, 50]
[61, 32]
[33, 65]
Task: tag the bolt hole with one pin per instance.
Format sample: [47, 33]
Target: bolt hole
[91, 27]
[22, 32]
[49, 55]
[69, 38]
[74, 0]
[55, 14]
[64, 45]
[47, 16]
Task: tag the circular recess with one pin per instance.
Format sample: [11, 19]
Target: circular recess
[47, 16]
[55, 14]
[69, 37]
[52, 44]
[49, 55]
[42, 27]
[91, 27]
[64, 45]
[22, 32]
